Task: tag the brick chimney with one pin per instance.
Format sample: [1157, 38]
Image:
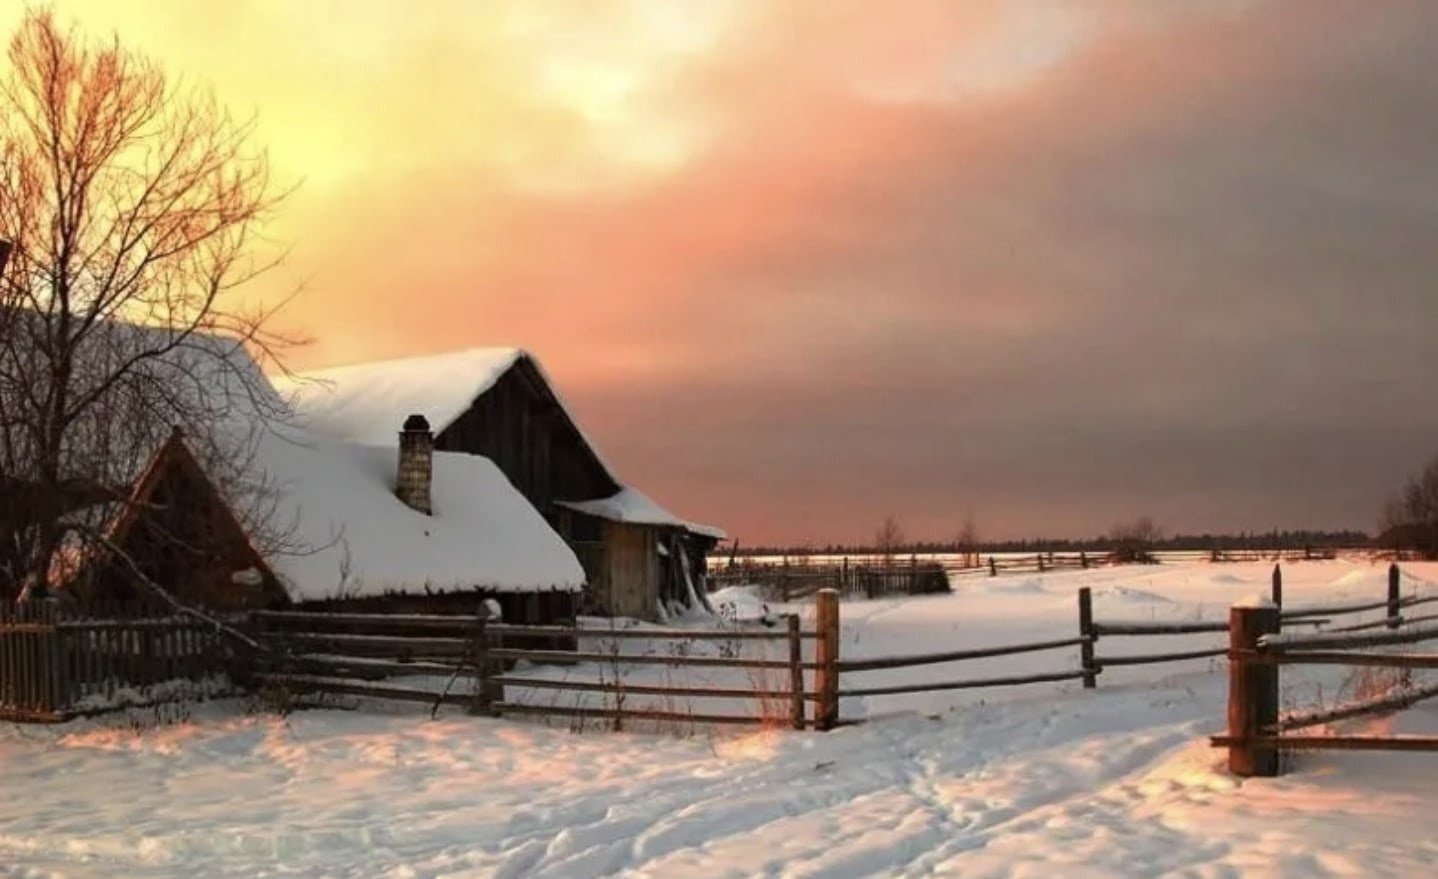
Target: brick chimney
[416, 464]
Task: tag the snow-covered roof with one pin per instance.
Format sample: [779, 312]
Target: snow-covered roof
[349, 536]
[367, 402]
[633, 506]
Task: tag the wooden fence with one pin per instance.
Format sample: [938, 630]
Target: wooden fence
[1258, 732]
[356, 654]
[866, 579]
[55, 666]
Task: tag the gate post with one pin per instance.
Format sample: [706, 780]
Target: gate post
[826, 656]
[1252, 689]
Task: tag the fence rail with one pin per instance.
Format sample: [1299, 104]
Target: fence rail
[312, 658]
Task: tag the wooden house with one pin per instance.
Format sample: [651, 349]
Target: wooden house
[639, 559]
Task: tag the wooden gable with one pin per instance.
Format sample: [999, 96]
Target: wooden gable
[520, 425]
[180, 532]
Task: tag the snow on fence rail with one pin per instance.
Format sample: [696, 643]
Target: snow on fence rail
[55, 666]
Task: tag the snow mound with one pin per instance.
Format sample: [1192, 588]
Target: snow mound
[739, 603]
[1352, 578]
[1026, 586]
[1226, 580]
[1132, 596]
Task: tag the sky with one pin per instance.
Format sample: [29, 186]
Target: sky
[799, 265]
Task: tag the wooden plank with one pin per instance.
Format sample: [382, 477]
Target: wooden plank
[1154, 658]
[1334, 657]
[340, 686]
[627, 714]
[1331, 743]
[590, 686]
[854, 665]
[1138, 628]
[340, 665]
[972, 684]
[571, 657]
[465, 624]
[1335, 641]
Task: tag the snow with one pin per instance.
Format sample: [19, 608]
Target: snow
[633, 506]
[1045, 781]
[1255, 602]
[354, 538]
[367, 402]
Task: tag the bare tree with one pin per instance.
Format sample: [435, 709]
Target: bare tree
[968, 540]
[1133, 541]
[1410, 518]
[889, 539]
[133, 206]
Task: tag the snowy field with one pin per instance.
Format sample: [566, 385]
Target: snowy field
[1043, 781]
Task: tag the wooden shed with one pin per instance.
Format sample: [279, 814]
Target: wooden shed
[639, 559]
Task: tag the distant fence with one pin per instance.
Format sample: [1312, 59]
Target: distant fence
[356, 654]
[55, 666]
[1092, 632]
[868, 579]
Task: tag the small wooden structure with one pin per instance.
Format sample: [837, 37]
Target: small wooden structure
[176, 529]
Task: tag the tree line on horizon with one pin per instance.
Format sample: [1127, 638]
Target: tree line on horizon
[1244, 540]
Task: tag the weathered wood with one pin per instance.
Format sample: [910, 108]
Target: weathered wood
[1137, 628]
[1155, 658]
[1394, 581]
[1329, 743]
[1252, 690]
[796, 673]
[826, 655]
[971, 684]
[1088, 634]
[627, 714]
[855, 665]
[669, 659]
[1341, 640]
[345, 687]
[591, 686]
[1355, 658]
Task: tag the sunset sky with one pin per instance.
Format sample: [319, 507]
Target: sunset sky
[798, 265]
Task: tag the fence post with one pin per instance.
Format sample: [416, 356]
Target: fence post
[485, 689]
[1039, 557]
[1278, 587]
[993, 567]
[1252, 689]
[826, 656]
[1083, 560]
[1086, 630]
[1393, 606]
[796, 672]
